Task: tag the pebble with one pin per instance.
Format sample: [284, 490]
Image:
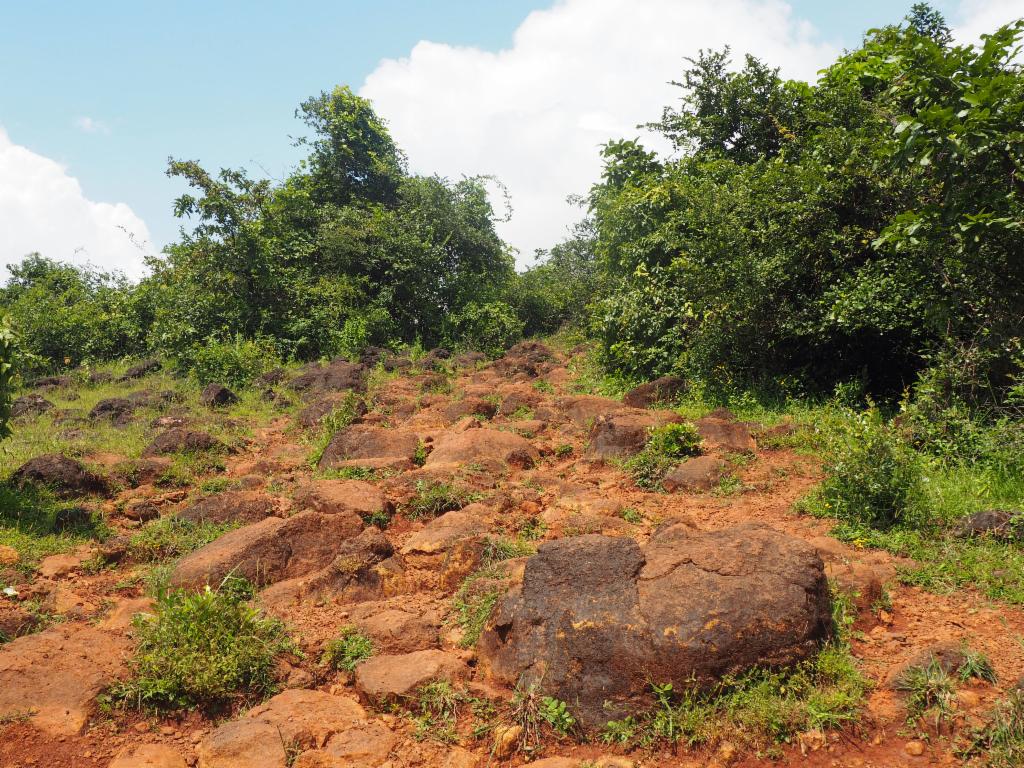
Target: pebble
[914, 748]
[142, 727]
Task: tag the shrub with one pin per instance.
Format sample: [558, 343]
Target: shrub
[6, 375]
[433, 499]
[490, 328]
[348, 649]
[171, 537]
[666, 445]
[873, 477]
[235, 362]
[202, 650]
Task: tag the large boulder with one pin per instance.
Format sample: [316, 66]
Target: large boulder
[217, 396]
[231, 507]
[597, 619]
[269, 551]
[722, 433]
[118, 410]
[65, 476]
[701, 473]
[622, 434]
[584, 410]
[337, 376]
[660, 390]
[30, 405]
[369, 446]
[482, 446]
[335, 496]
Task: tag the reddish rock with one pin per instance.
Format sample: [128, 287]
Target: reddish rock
[181, 440]
[336, 496]
[370, 446]
[470, 406]
[246, 742]
[701, 473]
[726, 435]
[217, 396]
[365, 745]
[387, 678]
[269, 551]
[661, 390]
[622, 434]
[143, 368]
[232, 507]
[337, 376]
[308, 719]
[119, 410]
[482, 446]
[584, 410]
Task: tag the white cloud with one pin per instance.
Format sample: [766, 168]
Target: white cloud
[577, 75]
[43, 209]
[89, 125]
[977, 17]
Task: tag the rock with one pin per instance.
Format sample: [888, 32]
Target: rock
[914, 748]
[527, 358]
[622, 434]
[142, 510]
[483, 446]
[701, 473]
[506, 741]
[15, 621]
[119, 410]
[59, 566]
[337, 376]
[520, 398]
[124, 612]
[470, 406]
[997, 523]
[217, 396]
[141, 369]
[181, 440]
[333, 497]
[388, 678]
[268, 551]
[149, 756]
[556, 762]
[370, 446]
[359, 571]
[9, 555]
[660, 390]
[470, 359]
[691, 607]
[308, 719]
[30, 405]
[273, 376]
[66, 477]
[312, 415]
[584, 410]
[246, 742]
[73, 519]
[57, 674]
[725, 435]
[396, 631]
[442, 533]
[52, 382]
[364, 745]
[231, 507]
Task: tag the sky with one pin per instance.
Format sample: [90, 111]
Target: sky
[94, 97]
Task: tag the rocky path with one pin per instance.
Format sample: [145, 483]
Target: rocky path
[626, 587]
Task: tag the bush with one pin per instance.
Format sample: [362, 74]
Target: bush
[235, 362]
[348, 649]
[490, 328]
[433, 499]
[873, 478]
[202, 650]
[666, 446]
[6, 376]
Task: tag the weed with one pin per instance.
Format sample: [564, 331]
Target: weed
[171, 537]
[439, 705]
[533, 529]
[1001, 743]
[475, 600]
[346, 650]
[342, 416]
[381, 519]
[630, 515]
[648, 469]
[433, 499]
[522, 413]
[665, 446]
[496, 550]
[419, 457]
[563, 451]
[352, 473]
[201, 649]
[976, 665]
[536, 713]
[543, 386]
[730, 485]
[930, 692]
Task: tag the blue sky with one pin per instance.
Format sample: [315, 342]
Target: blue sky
[110, 89]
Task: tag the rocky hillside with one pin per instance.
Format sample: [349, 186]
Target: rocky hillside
[454, 562]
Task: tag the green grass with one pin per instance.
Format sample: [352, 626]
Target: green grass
[29, 523]
[433, 498]
[171, 537]
[343, 414]
[930, 693]
[345, 651]
[439, 705]
[202, 650]
[1000, 743]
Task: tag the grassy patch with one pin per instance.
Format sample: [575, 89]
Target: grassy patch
[202, 650]
[37, 524]
[433, 499]
[1000, 744]
[341, 416]
[346, 650]
[171, 537]
[666, 446]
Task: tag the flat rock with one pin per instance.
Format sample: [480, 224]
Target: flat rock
[246, 742]
[370, 446]
[623, 433]
[584, 410]
[56, 675]
[149, 756]
[726, 435]
[308, 718]
[269, 551]
[483, 446]
[232, 507]
[688, 609]
[364, 745]
[701, 473]
[337, 496]
[393, 630]
[66, 477]
[470, 406]
[392, 677]
[182, 440]
[442, 533]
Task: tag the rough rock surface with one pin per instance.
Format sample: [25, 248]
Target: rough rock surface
[622, 434]
[364, 745]
[998, 523]
[725, 434]
[700, 473]
[483, 445]
[370, 446]
[691, 607]
[55, 675]
[335, 496]
[231, 507]
[181, 440]
[66, 477]
[387, 678]
[217, 396]
[141, 369]
[337, 376]
[149, 756]
[245, 742]
[118, 410]
[30, 405]
[308, 719]
[660, 390]
[269, 551]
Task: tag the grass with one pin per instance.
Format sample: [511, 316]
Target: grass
[1000, 744]
[666, 446]
[345, 651]
[439, 705]
[433, 499]
[538, 715]
[171, 537]
[930, 692]
[29, 522]
[202, 650]
[480, 591]
[343, 414]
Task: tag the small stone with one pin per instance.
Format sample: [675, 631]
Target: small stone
[726, 752]
[914, 748]
[812, 740]
[142, 727]
[968, 699]
[9, 555]
[505, 738]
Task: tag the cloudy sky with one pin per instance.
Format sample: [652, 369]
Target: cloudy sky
[95, 97]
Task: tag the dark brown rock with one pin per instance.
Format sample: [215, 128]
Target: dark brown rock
[661, 390]
[269, 551]
[470, 406]
[231, 507]
[997, 523]
[30, 405]
[181, 440]
[141, 369]
[52, 382]
[119, 410]
[66, 477]
[597, 619]
[624, 433]
[217, 396]
[527, 358]
[337, 376]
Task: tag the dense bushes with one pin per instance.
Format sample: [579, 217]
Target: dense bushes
[235, 362]
[845, 230]
[490, 328]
